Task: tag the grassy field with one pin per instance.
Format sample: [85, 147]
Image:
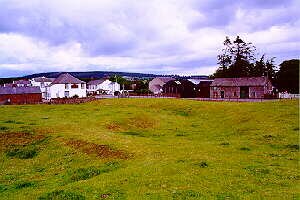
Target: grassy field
[150, 149]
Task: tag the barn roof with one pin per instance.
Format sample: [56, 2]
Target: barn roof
[66, 78]
[198, 81]
[96, 82]
[165, 79]
[238, 82]
[20, 90]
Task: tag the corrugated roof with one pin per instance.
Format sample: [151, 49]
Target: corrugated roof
[66, 78]
[20, 90]
[197, 81]
[245, 81]
[96, 82]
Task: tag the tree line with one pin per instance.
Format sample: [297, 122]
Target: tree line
[239, 59]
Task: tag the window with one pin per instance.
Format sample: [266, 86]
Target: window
[253, 94]
[234, 94]
[82, 86]
[74, 86]
[66, 86]
[67, 94]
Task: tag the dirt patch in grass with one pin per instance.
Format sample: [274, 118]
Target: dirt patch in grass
[113, 126]
[18, 139]
[100, 150]
[142, 122]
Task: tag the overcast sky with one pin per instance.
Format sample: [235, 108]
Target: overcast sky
[152, 36]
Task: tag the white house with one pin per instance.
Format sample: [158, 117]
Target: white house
[42, 82]
[102, 86]
[66, 86]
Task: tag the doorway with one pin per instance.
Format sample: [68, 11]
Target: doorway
[222, 94]
[244, 92]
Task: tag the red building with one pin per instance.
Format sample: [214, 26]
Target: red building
[20, 95]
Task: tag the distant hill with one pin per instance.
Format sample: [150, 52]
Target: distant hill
[93, 74]
[96, 75]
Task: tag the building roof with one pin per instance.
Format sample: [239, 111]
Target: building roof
[22, 81]
[96, 82]
[237, 82]
[20, 90]
[165, 79]
[197, 81]
[66, 78]
[43, 79]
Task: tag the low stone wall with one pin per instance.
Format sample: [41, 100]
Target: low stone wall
[70, 100]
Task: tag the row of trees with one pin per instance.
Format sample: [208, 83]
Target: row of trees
[238, 59]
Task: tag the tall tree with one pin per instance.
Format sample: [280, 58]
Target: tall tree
[264, 67]
[236, 58]
[287, 78]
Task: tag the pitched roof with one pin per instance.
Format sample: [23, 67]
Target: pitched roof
[198, 81]
[20, 90]
[66, 78]
[43, 79]
[245, 81]
[96, 82]
[165, 79]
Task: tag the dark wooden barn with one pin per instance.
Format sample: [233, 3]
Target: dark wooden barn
[203, 89]
[20, 95]
[180, 88]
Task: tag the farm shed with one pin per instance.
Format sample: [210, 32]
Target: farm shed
[244, 88]
[20, 95]
[156, 84]
[180, 88]
[202, 87]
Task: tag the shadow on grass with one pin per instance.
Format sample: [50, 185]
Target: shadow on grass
[22, 152]
[187, 194]
[62, 195]
[90, 172]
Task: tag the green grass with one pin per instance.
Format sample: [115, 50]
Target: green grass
[152, 149]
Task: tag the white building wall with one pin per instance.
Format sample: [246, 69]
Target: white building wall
[60, 91]
[42, 86]
[108, 86]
